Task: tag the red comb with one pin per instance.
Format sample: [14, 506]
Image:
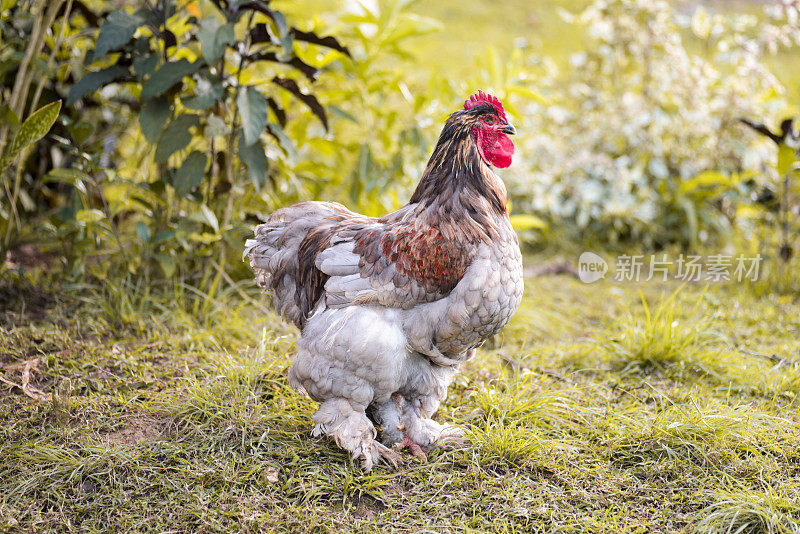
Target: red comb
[480, 96]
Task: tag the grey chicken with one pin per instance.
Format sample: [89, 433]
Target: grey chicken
[390, 307]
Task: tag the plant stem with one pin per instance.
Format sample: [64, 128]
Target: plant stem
[18, 101]
[53, 52]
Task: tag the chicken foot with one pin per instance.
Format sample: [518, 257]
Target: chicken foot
[406, 424]
[350, 428]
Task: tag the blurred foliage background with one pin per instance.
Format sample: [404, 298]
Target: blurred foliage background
[181, 124]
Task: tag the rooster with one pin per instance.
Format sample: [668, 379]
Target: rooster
[390, 307]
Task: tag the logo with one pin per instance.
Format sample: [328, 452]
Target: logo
[591, 267]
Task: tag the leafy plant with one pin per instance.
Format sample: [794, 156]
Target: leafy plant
[34, 128]
[779, 197]
[639, 143]
[30, 47]
[30, 131]
[210, 90]
[382, 128]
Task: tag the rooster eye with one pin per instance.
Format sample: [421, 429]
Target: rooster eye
[488, 120]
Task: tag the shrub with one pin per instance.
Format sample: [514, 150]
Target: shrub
[642, 143]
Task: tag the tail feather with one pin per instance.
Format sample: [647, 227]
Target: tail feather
[274, 254]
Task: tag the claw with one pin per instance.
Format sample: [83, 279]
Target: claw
[388, 456]
[374, 452]
[416, 450]
[451, 436]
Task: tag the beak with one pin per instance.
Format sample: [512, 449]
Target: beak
[508, 129]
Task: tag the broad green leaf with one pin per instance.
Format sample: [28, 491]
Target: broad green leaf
[80, 131]
[168, 75]
[93, 81]
[284, 141]
[256, 160]
[117, 30]
[86, 216]
[705, 179]
[207, 95]
[225, 36]
[207, 35]
[145, 65]
[523, 222]
[154, 115]
[7, 116]
[206, 216]
[143, 231]
[287, 43]
[34, 128]
[160, 237]
[253, 109]
[191, 173]
[175, 137]
[215, 126]
[154, 19]
[786, 159]
[68, 176]
[280, 23]
[37, 125]
[213, 36]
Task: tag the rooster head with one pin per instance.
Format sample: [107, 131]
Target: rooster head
[490, 129]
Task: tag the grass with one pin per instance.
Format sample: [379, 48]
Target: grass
[755, 512]
[664, 338]
[601, 408]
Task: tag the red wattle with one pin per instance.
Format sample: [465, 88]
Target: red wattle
[494, 147]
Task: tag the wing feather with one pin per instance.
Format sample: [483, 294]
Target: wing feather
[394, 264]
[313, 252]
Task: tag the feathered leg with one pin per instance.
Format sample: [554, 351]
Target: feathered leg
[348, 425]
[421, 430]
[388, 415]
[418, 401]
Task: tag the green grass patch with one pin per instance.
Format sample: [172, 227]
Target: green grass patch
[602, 408]
[663, 337]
